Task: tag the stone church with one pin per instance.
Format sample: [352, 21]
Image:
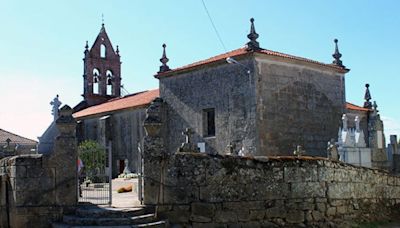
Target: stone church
[250, 100]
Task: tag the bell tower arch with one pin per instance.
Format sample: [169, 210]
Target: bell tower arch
[102, 70]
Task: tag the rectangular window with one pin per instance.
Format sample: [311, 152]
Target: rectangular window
[209, 122]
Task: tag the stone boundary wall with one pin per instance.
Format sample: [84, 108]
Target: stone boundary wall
[215, 191]
[37, 189]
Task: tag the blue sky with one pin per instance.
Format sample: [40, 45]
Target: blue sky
[42, 44]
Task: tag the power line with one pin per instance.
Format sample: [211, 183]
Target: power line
[213, 25]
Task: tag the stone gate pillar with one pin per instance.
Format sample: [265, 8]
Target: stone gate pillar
[155, 153]
[64, 159]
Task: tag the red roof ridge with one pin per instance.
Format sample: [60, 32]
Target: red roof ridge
[352, 106]
[134, 100]
[243, 51]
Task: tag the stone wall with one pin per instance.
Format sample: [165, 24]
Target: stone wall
[215, 191]
[36, 189]
[297, 104]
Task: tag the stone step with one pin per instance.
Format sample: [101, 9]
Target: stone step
[101, 212]
[157, 224]
[108, 221]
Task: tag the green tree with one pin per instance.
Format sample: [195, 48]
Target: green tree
[93, 156]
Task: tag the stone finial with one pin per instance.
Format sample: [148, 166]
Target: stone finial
[375, 107]
[252, 45]
[86, 52]
[154, 118]
[56, 103]
[164, 60]
[66, 122]
[337, 55]
[117, 51]
[344, 121]
[357, 122]
[367, 97]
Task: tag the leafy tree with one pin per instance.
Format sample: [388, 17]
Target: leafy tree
[93, 156]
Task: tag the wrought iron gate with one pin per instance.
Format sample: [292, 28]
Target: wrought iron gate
[94, 177]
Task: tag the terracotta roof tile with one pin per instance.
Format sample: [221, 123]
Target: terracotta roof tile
[243, 51]
[130, 101]
[351, 106]
[4, 135]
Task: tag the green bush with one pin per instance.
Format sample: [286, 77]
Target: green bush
[94, 159]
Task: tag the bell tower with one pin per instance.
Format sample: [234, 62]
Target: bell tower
[101, 70]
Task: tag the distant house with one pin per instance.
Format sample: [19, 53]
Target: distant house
[13, 144]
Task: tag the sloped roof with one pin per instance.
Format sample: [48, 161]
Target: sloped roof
[4, 135]
[351, 106]
[244, 51]
[131, 101]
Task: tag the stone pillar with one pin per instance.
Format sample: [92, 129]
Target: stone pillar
[395, 153]
[155, 153]
[377, 141]
[64, 159]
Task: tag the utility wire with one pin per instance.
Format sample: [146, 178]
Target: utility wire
[213, 25]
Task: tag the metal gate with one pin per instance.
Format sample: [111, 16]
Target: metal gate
[140, 173]
[94, 177]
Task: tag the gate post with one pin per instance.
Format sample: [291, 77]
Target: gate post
[154, 154]
[64, 159]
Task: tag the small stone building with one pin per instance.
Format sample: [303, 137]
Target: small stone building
[256, 100]
[12, 144]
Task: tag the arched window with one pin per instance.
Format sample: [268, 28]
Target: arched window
[110, 79]
[102, 51]
[96, 78]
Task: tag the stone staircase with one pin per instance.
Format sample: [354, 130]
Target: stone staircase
[94, 216]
